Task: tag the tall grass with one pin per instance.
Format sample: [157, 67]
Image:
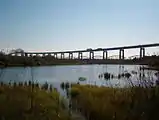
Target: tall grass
[15, 104]
[103, 103]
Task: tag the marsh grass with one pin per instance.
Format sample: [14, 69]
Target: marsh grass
[103, 103]
[15, 103]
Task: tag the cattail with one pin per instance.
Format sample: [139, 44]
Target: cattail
[29, 83]
[32, 84]
[9, 83]
[50, 88]
[37, 85]
[112, 76]
[2, 84]
[19, 84]
[45, 86]
[15, 84]
[25, 83]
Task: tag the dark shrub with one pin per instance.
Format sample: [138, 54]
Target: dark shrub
[67, 85]
[62, 85]
[37, 85]
[127, 75]
[45, 86]
[119, 76]
[122, 75]
[107, 76]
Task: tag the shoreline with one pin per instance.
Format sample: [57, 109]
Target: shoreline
[151, 68]
[21, 65]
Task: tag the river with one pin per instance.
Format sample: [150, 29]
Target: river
[71, 73]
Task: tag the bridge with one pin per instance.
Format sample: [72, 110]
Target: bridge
[90, 51]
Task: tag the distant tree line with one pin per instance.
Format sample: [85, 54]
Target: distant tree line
[8, 60]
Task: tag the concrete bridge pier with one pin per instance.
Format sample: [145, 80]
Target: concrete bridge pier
[121, 54]
[49, 54]
[55, 55]
[26, 54]
[105, 55]
[142, 52]
[91, 55]
[70, 55]
[43, 55]
[62, 56]
[80, 55]
[22, 54]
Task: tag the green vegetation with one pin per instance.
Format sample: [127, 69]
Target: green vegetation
[29, 102]
[102, 103]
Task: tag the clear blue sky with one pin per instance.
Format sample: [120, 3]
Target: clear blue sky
[55, 25]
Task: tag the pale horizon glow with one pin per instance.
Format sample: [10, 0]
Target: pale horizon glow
[58, 25]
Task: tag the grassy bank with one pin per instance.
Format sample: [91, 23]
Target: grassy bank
[21, 102]
[101, 103]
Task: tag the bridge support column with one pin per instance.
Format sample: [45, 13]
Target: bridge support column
[121, 54]
[105, 55]
[55, 55]
[70, 55]
[37, 54]
[91, 55]
[43, 54]
[22, 54]
[142, 52]
[49, 54]
[80, 55]
[62, 55]
[26, 54]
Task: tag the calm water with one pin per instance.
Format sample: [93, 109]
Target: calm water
[58, 74]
